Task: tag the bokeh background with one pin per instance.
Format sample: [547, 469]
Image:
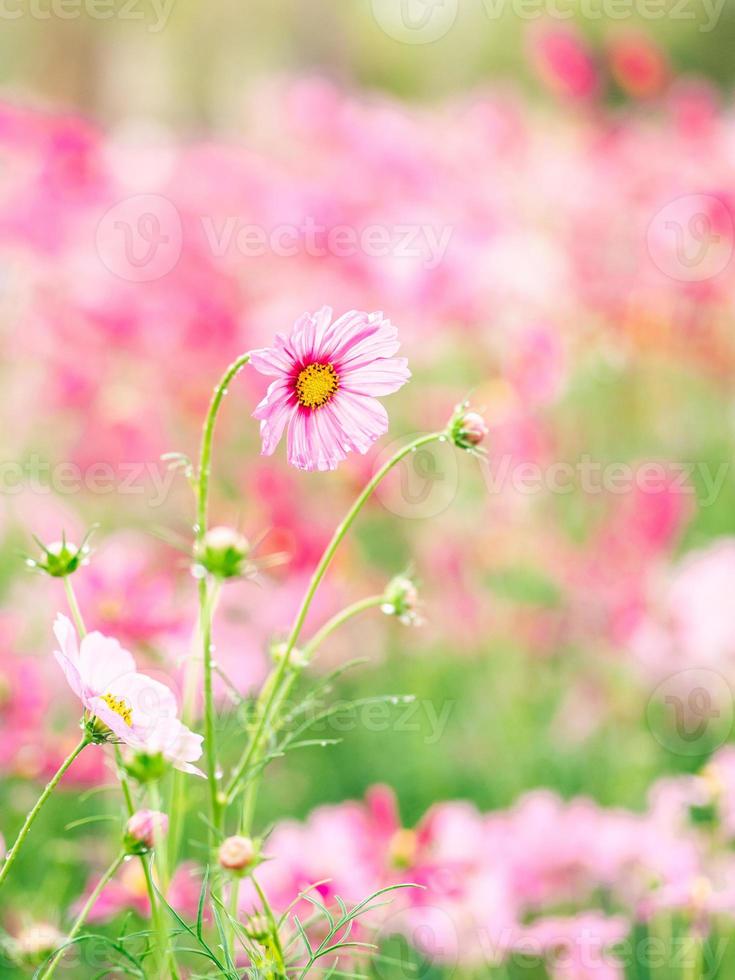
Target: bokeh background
[544, 205]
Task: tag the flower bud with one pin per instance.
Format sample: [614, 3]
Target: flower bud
[402, 848]
[467, 429]
[36, 943]
[401, 599]
[223, 552]
[146, 767]
[296, 658]
[144, 830]
[236, 853]
[257, 928]
[60, 558]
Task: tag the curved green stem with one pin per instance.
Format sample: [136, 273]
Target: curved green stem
[205, 452]
[251, 791]
[82, 917]
[362, 605]
[254, 746]
[205, 603]
[344, 527]
[30, 818]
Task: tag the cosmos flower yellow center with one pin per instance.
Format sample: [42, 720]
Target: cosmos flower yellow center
[316, 384]
[121, 707]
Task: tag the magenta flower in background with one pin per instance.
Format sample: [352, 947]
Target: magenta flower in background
[328, 377]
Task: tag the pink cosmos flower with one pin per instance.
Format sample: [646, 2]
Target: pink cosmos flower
[137, 709]
[328, 375]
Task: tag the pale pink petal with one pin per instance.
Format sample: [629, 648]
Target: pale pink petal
[271, 428]
[322, 321]
[298, 442]
[303, 338]
[68, 656]
[277, 391]
[176, 743]
[66, 637]
[375, 339]
[71, 672]
[341, 333]
[270, 361]
[101, 661]
[361, 419]
[325, 440]
[274, 412]
[383, 377]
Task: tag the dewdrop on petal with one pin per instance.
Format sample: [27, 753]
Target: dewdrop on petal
[144, 830]
[467, 430]
[401, 599]
[224, 552]
[237, 853]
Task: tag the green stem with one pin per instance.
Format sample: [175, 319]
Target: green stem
[203, 477]
[82, 917]
[208, 602]
[362, 605]
[74, 607]
[254, 747]
[692, 969]
[178, 779]
[251, 790]
[205, 453]
[163, 953]
[160, 855]
[30, 818]
[275, 936]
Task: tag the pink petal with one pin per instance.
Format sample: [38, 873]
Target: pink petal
[375, 339]
[298, 442]
[269, 360]
[383, 377]
[274, 412]
[102, 661]
[328, 445]
[66, 637]
[350, 326]
[70, 672]
[361, 419]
